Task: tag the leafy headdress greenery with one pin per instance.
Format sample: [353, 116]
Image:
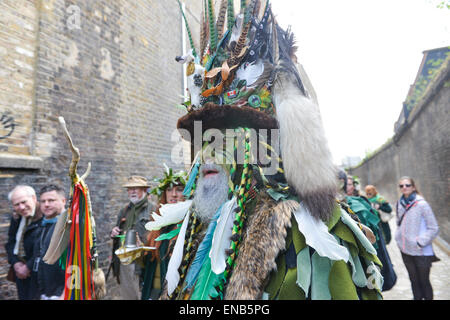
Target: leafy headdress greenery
[169, 180]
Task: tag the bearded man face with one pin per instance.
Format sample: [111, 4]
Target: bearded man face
[211, 191]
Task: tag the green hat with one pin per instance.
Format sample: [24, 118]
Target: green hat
[169, 180]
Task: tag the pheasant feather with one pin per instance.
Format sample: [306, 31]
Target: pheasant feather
[220, 24]
[212, 26]
[230, 14]
[194, 53]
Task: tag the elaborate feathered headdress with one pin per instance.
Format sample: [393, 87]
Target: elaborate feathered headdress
[245, 74]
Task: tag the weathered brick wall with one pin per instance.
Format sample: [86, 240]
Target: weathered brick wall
[108, 68]
[18, 47]
[421, 151]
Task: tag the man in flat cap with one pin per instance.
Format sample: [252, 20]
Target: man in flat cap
[132, 217]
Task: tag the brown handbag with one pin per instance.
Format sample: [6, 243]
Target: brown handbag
[11, 275]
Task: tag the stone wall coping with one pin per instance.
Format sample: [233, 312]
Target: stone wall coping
[10, 161]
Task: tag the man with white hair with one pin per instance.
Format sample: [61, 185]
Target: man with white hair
[22, 236]
[132, 217]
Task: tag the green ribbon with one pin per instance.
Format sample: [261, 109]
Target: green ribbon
[170, 235]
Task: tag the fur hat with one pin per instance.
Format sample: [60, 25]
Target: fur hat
[246, 75]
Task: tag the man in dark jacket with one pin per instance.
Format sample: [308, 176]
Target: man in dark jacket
[50, 277]
[22, 235]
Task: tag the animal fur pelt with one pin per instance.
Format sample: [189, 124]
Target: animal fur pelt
[307, 161]
[264, 239]
[99, 284]
[226, 116]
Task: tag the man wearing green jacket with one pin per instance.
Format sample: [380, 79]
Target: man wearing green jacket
[132, 217]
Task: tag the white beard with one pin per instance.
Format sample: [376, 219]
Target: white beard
[135, 199]
[211, 192]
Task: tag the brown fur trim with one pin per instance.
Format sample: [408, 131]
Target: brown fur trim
[320, 203]
[264, 238]
[226, 117]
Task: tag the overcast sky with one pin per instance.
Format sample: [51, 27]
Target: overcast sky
[361, 57]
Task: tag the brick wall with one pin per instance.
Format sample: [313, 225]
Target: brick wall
[420, 150]
[108, 68]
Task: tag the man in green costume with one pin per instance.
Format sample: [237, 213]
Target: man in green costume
[264, 222]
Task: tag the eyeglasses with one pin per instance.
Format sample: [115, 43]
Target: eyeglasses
[404, 185]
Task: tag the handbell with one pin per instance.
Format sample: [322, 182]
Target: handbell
[130, 239]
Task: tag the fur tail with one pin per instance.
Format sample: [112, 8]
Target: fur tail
[307, 161]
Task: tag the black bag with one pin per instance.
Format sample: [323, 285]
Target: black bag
[11, 274]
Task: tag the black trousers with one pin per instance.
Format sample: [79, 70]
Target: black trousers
[419, 273]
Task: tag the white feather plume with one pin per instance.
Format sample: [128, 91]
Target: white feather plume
[171, 213]
[250, 72]
[221, 239]
[172, 275]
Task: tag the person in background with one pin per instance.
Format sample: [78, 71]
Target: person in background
[132, 217]
[361, 206]
[22, 235]
[384, 209]
[169, 191]
[416, 229]
[370, 217]
[51, 277]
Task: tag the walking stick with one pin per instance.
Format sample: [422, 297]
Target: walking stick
[75, 235]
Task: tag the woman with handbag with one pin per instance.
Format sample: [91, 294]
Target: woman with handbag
[416, 229]
[384, 209]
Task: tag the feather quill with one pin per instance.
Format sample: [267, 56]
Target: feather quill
[170, 213]
[220, 24]
[249, 11]
[230, 14]
[202, 251]
[250, 73]
[172, 275]
[203, 32]
[212, 26]
[188, 31]
[192, 178]
[236, 55]
[205, 288]
[265, 76]
[221, 239]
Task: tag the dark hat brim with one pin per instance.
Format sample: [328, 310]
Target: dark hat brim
[226, 117]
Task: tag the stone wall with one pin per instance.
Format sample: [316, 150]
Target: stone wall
[421, 150]
[108, 68]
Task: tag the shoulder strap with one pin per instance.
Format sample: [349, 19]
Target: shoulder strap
[406, 210]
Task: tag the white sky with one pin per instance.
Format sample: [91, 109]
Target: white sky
[361, 57]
